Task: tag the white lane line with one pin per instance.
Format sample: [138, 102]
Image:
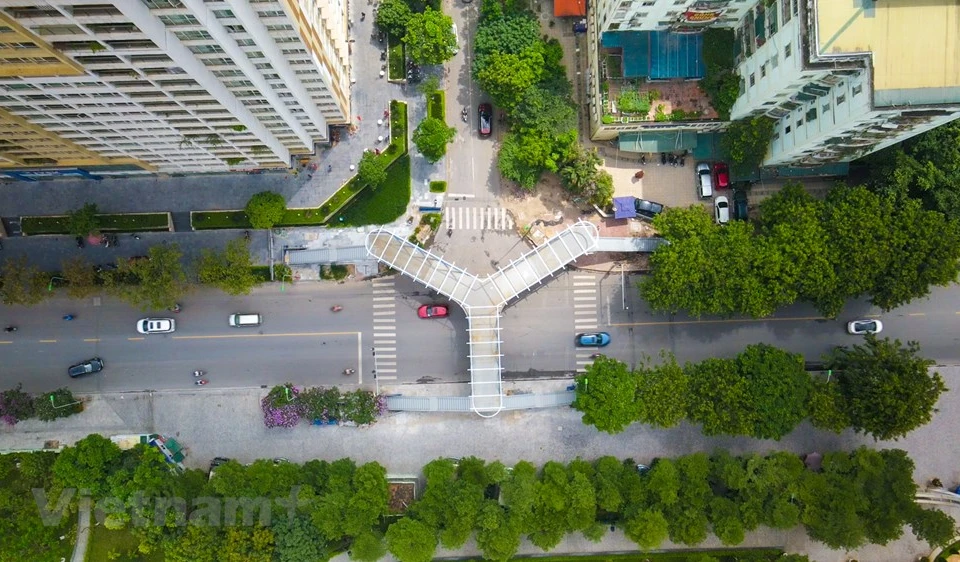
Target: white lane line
[582, 305]
[385, 356]
[592, 291]
[594, 298]
[385, 320]
[384, 291]
[375, 299]
[584, 312]
[586, 327]
[579, 370]
[379, 349]
[387, 377]
[384, 313]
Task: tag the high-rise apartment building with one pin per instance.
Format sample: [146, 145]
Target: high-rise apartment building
[139, 86]
[841, 79]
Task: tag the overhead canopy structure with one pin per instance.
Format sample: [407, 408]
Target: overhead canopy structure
[563, 8]
[624, 207]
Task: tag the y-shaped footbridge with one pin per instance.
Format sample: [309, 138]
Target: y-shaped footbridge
[483, 299]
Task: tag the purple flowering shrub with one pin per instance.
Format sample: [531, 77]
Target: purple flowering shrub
[15, 405]
[282, 407]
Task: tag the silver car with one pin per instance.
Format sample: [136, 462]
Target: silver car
[156, 325]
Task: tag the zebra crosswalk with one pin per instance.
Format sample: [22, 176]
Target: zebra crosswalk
[385, 328]
[584, 314]
[477, 218]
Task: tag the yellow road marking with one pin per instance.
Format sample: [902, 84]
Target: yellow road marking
[724, 321]
[6, 342]
[91, 340]
[136, 339]
[291, 335]
[48, 341]
[917, 314]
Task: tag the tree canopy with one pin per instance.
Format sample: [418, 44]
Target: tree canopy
[607, 395]
[429, 37]
[392, 16]
[747, 140]
[372, 170]
[83, 221]
[265, 209]
[432, 136]
[154, 282]
[230, 270]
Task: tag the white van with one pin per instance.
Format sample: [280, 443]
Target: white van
[704, 180]
[245, 320]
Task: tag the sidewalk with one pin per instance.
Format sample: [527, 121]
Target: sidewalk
[229, 423]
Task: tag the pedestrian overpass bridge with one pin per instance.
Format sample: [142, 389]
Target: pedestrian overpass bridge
[483, 299]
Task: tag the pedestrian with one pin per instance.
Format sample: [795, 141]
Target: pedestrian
[378, 152]
[329, 168]
[359, 119]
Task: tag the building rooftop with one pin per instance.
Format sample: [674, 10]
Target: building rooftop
[914, 44]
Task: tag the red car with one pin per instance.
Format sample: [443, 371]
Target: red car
[433, 311]
[485, 122]
[723, 175]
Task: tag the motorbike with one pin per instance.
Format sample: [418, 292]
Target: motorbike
[349, 372]
[176, 308]
[68, 317]
[336, 308]
[596, 356]
[449, 232]
[79, 240]
[246, 235]
[464, 115]
[135, 236]
[200, 382]
[663, 158]
[383, 55]
[643, 159]
[10, 329]
[199, 373]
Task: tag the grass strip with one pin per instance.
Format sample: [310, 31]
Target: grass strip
[132, 222]
[396, 59]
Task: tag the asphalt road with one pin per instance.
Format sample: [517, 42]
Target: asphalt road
[303, 342]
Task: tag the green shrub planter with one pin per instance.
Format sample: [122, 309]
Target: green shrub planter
[396, 61]
[438, 187]
[132, 222]
[435, 105]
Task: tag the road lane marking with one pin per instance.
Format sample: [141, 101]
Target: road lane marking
[723, 321]
[591, 291]
[91, 340]
[383, 291]
[48, 341]
[585, 311]
[385, 320]
[917, 314]
[385, 355]
[379, 349]
[585, 327]
[593, 298]
[584, 283]
[390, 299]
[585, 305]
[384, 313]
[136, 339]
[387, 377]
[6, 341]
[239, 336]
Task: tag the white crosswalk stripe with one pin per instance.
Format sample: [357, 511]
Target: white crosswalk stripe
[584, 313]
[477, 218]
[385, 328]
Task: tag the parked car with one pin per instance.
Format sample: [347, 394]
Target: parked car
[433, 311]
[740, 209]
[721, 207]
[593, 339]
[704, 180]
[87, 367]
[722, 172]
[156, 325]
[215, 463]
[485, 123]
[647, 209]
[862, 327]
[456, 39]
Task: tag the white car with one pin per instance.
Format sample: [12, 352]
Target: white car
[156, 325]
[456, 38]
[862, 327]
[721, 207]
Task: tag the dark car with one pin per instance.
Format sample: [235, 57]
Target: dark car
[647, 209]
[485, 124]
[740, 210]
[87, 367]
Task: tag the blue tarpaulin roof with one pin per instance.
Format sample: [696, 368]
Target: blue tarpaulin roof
[623, 207]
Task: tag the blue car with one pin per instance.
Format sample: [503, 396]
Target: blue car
[596, 339]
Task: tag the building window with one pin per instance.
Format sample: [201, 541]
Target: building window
[825, 108]
[649, 3]
[857, 90]
[799, 122]
[812, 114]
[763, 70]
[787, 51]
[679, 2]
[841, 98]
[774, 61]
[787, 130]
[614, 26]
[753, 80]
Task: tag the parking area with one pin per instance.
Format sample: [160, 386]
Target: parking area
[673, 186]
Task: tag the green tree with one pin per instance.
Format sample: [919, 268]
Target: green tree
[607, 480]
[542, 110]
[607, 395]
[368, 547]
[429, 37]
[265, 209]
[392, 16]
[193, 544]
[231, 270]
[512, 34]
[747, 142]
[686, 519]
[369, 501]
[933, 526]
[726, 521]
[519, 496]
[925, 252]
[21, 283]
[245, 544]
[860, 242]
[552, 509]
[156, 283]
[826, 406]
[888, 388]
[497, 534]
[524, 156]
[298, 540]
[719, 398]
[80, 276]
[662, 392]
[88, 464]
[506, 77]
[372, 170]
[432, 136]
[647, 528]
[411, 540]
[580, 174]
[83, 221]
[778, 386]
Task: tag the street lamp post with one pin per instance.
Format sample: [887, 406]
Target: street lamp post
[54, 403]
[284, 276]
[50, 284]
